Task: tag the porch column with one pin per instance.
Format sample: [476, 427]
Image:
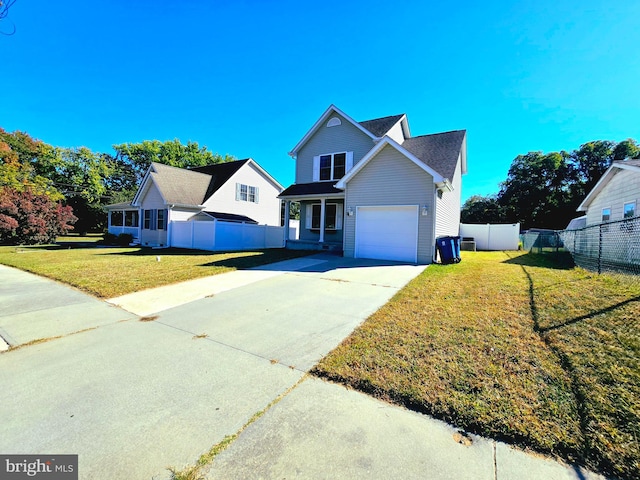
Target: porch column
[322, 208]
[287, 212]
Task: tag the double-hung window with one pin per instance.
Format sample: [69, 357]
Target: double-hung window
[161, 220]
[332, 216]
[154, 219]
[147, 219]
[331, 166]
[246, 193]
[606, 214]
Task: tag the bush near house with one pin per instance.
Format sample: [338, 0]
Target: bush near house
[28, 218]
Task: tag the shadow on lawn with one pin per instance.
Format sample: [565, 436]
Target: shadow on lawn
[558, 261]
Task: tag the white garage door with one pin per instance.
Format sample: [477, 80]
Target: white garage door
[387, 233]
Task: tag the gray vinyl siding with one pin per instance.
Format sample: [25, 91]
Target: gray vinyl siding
[391, 179]
[448, 207]
[341, 138]
[314, 235]
[623, 188]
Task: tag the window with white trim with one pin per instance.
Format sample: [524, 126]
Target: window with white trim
[148, 221]
[161, 220]
[606, 214]
[246, 193]
[332, 216]
[331, 166]
[629, 210]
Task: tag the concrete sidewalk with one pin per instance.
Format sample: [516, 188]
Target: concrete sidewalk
[323, 430]
[34, 308]
[154, 300]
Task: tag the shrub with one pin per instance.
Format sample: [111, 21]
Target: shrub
[124, 239]
[28, 218]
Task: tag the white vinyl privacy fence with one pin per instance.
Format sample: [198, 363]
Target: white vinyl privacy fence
[492, 236]
[219, 236]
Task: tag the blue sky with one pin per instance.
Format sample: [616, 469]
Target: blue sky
[249, 77]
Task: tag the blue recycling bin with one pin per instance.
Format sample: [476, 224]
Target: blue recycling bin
[449, 249]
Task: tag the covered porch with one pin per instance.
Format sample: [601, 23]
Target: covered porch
[321, 216]
[124, 218]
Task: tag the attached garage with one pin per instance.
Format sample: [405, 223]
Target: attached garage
[387, 232]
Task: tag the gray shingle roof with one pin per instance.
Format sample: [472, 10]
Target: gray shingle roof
[181, 186]
[439, 151]
[192, 186]
[634, 162]
[380, 126]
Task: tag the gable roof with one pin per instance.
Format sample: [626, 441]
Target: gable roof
[436, 154]
[332, 109]
[380, 126]
[440, 151]
[616, 167]
[437, 177]
[219, 174]
[179, 185]
[182, 186]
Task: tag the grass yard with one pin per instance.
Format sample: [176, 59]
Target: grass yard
[521, 348]
[110, 272]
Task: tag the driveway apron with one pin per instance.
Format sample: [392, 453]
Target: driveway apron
[133, 398]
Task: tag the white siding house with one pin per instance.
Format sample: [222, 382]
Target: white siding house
[616, 195]
[239, 191]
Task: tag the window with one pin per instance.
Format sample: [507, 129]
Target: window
[606, 214]
[629, 210]
[332, 216]
[161, 220]
[116, 218]
[246, 193]
[147, 219]
[131, 218]
[331, 166]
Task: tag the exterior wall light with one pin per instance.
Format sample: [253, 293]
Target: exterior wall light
[350, 212]
[425, 210]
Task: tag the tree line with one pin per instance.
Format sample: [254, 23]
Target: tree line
[543, 190]
[47, 191]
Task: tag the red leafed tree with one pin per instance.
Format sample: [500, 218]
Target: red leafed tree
[28, 218]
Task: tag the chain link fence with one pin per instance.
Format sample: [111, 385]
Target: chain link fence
[612, 247]
[606, 247]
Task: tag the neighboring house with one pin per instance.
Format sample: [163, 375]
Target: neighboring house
[372, 190]
[616, 196]
[239, 191]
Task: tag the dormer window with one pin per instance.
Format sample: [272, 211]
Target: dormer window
[331, 166]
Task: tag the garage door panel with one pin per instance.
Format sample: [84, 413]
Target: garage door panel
[387, 233]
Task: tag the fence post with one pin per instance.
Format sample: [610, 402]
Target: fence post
[600, 250]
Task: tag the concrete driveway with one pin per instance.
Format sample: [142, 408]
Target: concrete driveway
[133, 398]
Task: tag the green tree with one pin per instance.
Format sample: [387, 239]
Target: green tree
[19, 153]
[134, 159]
[479, 209]
[536, 192]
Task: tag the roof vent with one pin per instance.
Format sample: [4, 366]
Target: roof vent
[334, 122]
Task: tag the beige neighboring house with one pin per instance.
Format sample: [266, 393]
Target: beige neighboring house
[372, 190]
[616, 196]
[239, 192]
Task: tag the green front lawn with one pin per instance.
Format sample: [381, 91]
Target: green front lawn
[522, 348]
[110, 272]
